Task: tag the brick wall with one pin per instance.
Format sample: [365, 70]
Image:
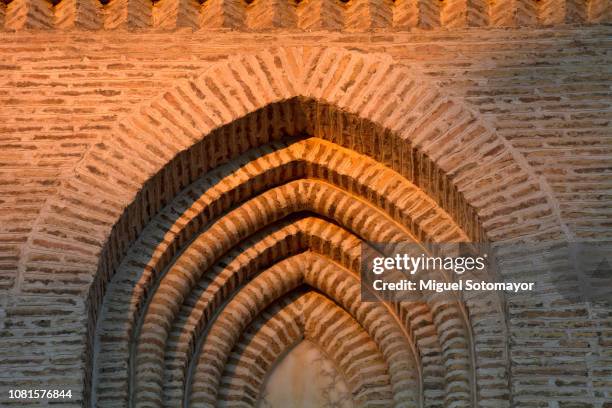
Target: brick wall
[544, 92]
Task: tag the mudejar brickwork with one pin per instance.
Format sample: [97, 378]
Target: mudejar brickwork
[185, 187]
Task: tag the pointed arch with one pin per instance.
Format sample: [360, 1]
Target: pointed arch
[319, 160]
[367, 103]
[317, 272]
[306, 315]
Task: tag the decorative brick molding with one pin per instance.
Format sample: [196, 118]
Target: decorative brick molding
[306, 316]
[353, 15]
[297, 196]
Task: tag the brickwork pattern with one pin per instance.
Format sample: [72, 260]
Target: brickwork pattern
[353, 15]
[453, 128]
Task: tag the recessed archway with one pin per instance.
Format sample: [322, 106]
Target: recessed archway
[368, 104]
[240, 216]
[245, 216]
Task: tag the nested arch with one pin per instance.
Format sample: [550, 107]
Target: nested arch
[368, 104]
[311, 316]
[312, 175]
[321, 274]
[329, 184]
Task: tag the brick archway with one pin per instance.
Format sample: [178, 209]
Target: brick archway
[414, 129]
